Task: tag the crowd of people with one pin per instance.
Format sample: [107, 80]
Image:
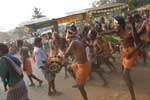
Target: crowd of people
[83, 53]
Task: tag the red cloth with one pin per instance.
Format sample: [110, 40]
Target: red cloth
[33, 57]
[148, 52]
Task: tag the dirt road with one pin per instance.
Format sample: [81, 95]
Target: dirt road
[116, 89]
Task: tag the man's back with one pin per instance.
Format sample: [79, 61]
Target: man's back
[79, 52]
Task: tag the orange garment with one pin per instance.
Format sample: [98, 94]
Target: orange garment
[128, 63]
[27, 67]
[106, 47]
[82, 72]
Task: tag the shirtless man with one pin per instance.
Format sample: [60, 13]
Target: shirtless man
[54, 45]
[80, 69]
[146, 25]
[95, 50]
[142, 34]
[128, 53]
[58, 46]
[27, 67]
[138, 23]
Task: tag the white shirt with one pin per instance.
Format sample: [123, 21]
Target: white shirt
[40, 56]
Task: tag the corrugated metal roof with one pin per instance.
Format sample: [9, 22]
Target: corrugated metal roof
[34, 21]
[107, 6]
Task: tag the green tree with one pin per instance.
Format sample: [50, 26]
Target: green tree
[18, 33]
[133, 4]
[37, 13]
[97, 3]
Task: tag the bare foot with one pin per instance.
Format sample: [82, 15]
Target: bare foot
[40, 83]
[57, 93]
[32, 84]
[66, 77]
[105, 84]
[75, 86]
[50, 93]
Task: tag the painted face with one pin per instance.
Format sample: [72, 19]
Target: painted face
[68, 36]
[115, 24]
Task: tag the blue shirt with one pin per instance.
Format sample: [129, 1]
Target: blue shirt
[40, 56]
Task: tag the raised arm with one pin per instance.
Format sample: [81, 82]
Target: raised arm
[142, 28]
[70, 49]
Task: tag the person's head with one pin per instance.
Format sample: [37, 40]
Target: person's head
[71, 33]
[92, 34]
[49, 35]
[19, 43]
[137, 18]
[69, 36]
[73, 28]
[3, 49]
[98, 26]
[38, 42]
[119, 23]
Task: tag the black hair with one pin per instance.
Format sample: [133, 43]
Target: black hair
[19, 43]
[3, 49]
[121, 21]
[86, 29]
[98, 23]
[37, 40]
[92, 32]
[138, 16]
[73, 28]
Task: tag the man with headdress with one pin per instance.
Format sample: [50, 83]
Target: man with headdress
[80, 68]
[128, 52]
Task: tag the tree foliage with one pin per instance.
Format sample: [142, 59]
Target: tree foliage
[97, 3]
[37, 13]
[133, 4]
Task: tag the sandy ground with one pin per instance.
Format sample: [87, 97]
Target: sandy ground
[116, 89]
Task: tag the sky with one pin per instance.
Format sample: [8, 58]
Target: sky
[14, 12]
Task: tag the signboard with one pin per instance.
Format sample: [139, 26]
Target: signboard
[26, 29]
[71, 18]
